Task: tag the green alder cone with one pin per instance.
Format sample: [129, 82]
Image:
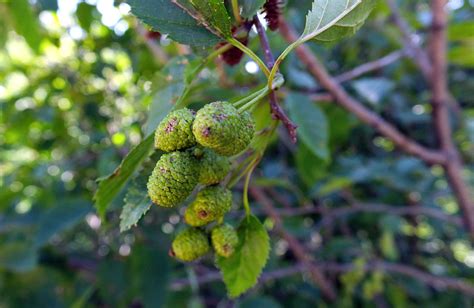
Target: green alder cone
[173, 179]
[221, 127]
[175, 131]
[190, 244]
[212, 202]
[224, 240]
[214, 167]
[192, 218]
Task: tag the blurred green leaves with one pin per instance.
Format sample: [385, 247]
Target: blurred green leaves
[25, 22]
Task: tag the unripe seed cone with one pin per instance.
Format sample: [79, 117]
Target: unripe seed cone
[175, 131]
[212, 203]
[190, 244]
[214, 167]
[192, 218]
[224, 240]
[221, 127]
[173, 179]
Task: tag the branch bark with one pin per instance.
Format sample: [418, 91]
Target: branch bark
[295, 246]
[414, 49]
[351, 104]
[277, 111]
[453, 165]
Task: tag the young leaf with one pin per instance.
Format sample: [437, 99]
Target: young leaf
[241, 270]
[111, 185]
[137, 202]
[312, 125]
[167, 17]
[215, 13]
[325, 14]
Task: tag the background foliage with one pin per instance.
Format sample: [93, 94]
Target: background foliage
[83, 83]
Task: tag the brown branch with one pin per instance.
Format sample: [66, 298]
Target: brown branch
[414, 50]
[370, 66]
[453, 165]
[357, 108]
[295, 246]
[441, 283]
[417, 53]
[331, 215]
[277, 111]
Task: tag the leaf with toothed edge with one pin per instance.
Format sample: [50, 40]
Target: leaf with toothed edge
[215, 13]
[167, 17]
[137, 203]
[111, 185]
[241, 270]
[330, 20]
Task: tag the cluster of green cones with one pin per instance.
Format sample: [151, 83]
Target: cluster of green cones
[198, 147]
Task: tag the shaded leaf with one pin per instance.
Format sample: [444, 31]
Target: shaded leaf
[137, 202]
[151, 269]
[60, 218]
[241, 270]
[312, 125]
[111, 185]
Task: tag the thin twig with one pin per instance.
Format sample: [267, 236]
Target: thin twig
[277, 112]
[357, 108]
[453, 165]
[370, 66]
[332, 215]
[295, 246]
[414, 49]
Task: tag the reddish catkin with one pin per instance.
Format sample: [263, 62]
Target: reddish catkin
[153, 35]
[272, 9]
[234, 55]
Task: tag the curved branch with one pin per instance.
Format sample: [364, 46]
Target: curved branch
[453, 165]
[365, 115]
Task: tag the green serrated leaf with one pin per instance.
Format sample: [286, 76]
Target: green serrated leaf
[111, 185]
[215, 13]
[330, 20]
[240, 271]
[168, 18]
[312, 124]
[250, 7]
[137, 202]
